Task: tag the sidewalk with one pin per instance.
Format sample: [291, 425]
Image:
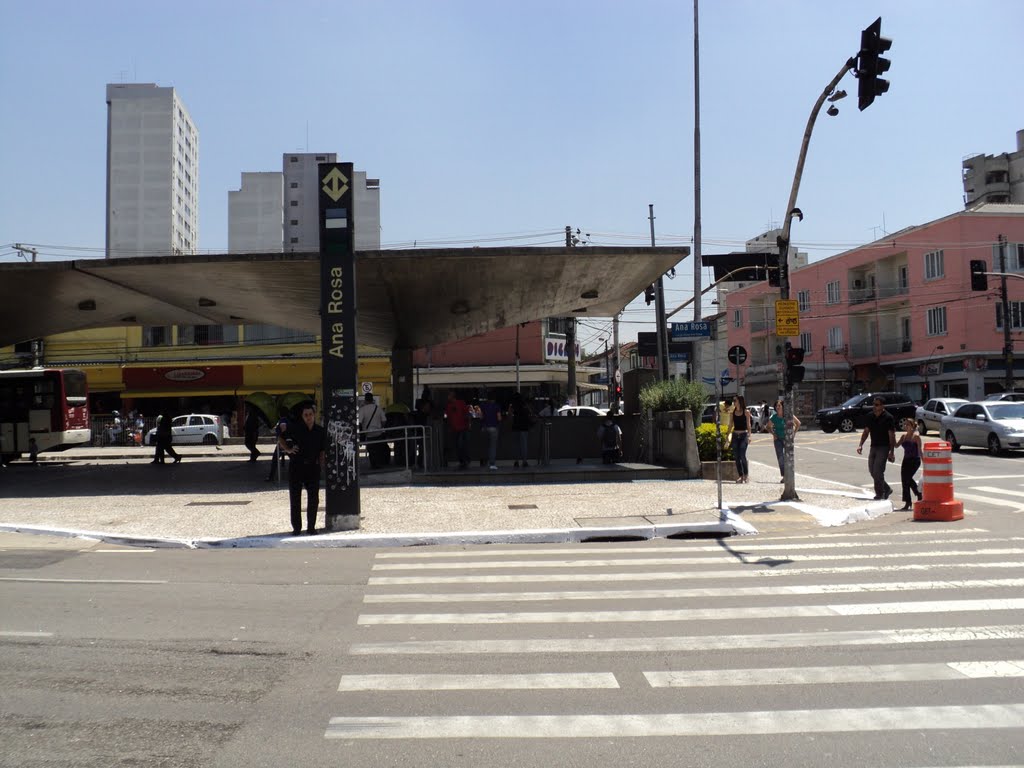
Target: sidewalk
[215, 498]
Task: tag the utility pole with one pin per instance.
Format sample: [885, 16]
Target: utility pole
[615, 337]
[1007, 338]
[570, 335]
[695, 363]
[659, 312]
[23, 249]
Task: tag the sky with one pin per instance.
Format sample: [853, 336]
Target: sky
[499, 123]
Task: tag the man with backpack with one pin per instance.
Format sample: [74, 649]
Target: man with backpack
[610, 435]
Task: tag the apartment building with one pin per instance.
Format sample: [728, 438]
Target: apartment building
[256, 214]
[897, 313]
[152, 173]
[995, 178]
[301, 204]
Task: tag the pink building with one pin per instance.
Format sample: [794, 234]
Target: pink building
[895, 314]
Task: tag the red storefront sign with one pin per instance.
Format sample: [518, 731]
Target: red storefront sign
[183, 377]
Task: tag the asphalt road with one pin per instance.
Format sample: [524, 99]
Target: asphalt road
[887, 644]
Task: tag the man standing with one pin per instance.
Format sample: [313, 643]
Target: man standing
[490, 418]
[306, 445]
[456, 413]
[881, 426]
[371, 422]
[252, 432]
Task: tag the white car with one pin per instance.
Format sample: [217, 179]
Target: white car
[194, 429]
[929, 415]
[994, 424]
[582, 410]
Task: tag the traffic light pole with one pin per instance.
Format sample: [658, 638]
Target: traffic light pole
[789, 474]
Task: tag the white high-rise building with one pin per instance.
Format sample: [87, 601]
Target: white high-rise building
[152, 172]
[301, 206]
[256, 214]
[995, 178]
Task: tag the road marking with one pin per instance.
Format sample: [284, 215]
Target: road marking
[693, 614]
[987, 500]
[552, 681]
[120, 551]
[870, 673]
[516, 578]
[13, 633]
[887, 719]
[663, 594]
[84, 581]
[602, 563]
[700, 643]
[993, 489]
[745, 546]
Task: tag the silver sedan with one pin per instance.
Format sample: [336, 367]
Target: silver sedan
[995, 425]
[929, 415]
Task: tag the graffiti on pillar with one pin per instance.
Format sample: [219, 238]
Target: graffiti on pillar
[343, 443]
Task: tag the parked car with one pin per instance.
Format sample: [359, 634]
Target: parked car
[1014, 397]
[853, 414]
[929, 415]
[194, 428]
[581, 410]
[756, 414]
[994, 424]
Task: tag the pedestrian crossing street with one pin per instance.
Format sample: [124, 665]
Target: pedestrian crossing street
[872, 635]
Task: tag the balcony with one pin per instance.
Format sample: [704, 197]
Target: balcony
[879, 292]
[760, 326]
[886, 347]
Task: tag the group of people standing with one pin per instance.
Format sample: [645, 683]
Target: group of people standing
[459, 417]
[880, 429]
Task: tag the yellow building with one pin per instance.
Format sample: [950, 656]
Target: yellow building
[193, 368]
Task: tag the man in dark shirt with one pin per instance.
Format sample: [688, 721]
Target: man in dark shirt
[305, 443]
[881, 426]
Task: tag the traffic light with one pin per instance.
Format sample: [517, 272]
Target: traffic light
[649, 294]
[979, 280]
[794, 366]
[871, 65]
[774, 273]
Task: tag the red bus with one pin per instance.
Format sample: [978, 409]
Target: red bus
[48, 404]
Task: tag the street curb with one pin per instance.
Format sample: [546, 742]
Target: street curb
[731, 526]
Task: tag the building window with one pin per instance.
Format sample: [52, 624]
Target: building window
[937, 321]
[260, 333]
[804, 300]
[294, 222]
[934, 267]
[156, 335]
[294, 185]
[559, 324]
[737, 318]
[832, 293]
[293, 159]
[321, 158]
[207, 335]
[1014, 256]
[805, 342]
[294, 203]
[835, 339]
[294, 240]
[1016, 315]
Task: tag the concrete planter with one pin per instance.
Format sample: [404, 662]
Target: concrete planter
[729, 472]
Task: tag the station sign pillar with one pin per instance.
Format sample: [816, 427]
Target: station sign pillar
[339, 355]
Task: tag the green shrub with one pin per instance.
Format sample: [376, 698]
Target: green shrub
[675, 395]
[706, 436]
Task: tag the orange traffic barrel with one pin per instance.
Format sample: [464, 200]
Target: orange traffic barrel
[937, 485]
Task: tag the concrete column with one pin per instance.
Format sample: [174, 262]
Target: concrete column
[402, 384]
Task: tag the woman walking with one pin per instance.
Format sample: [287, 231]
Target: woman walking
[911, 442]
[741, 438]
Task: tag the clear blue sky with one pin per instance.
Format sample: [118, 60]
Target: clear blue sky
[487, 119]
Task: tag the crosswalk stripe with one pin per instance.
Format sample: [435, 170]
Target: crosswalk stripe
[693, 614]
[682, 724]
[720, 573]
[988, 500]
[868, 673]
[691, 642]
[437, 682]
[662, 594]
[14, 633]
[583, 562]
[520, 551]
[993, 489]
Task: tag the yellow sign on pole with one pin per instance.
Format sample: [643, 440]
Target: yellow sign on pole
[787, 317]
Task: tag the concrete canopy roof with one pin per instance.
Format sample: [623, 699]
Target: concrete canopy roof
[405, 298]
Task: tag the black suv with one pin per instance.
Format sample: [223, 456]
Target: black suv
[854, 412]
